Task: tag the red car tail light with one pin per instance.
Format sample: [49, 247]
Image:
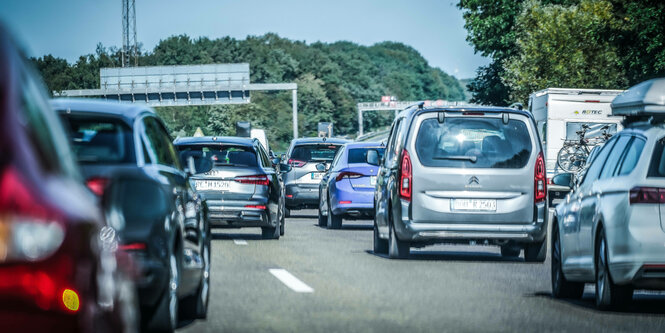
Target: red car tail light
[345, 202]
[347, 174]
[255, 179]
[30, 230]
[406, 179]
[132, 247]
[647, 195]
[296, 163]
[539, 180]
[97, 185]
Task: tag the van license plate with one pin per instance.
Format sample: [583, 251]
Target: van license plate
[474, 204]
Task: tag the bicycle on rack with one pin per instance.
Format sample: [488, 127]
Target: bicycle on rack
[574, 153]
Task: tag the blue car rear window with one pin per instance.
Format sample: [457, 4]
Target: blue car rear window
[359, 155]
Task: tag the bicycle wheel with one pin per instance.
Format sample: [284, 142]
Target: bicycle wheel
[571, 158]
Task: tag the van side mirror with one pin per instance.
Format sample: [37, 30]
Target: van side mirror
[564, 179]
[372, 157]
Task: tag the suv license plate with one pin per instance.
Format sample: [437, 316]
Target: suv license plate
[214, 185]
[474, 204]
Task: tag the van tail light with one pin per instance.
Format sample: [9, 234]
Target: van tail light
[254, 179]
[296, 163]
[647, 195]
[406, 178]
[540, 180]
[32, 230]
[348, 174]
[262, 207]
[97, 185]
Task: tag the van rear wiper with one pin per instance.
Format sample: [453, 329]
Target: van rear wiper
[471, 159]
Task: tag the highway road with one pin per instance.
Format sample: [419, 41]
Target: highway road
[318, 280]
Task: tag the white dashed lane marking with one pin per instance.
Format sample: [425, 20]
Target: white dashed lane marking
[240, 241]
[291, 281]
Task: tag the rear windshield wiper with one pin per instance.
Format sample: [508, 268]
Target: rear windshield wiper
[471, 159]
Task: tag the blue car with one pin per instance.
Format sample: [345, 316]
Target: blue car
[347, 188]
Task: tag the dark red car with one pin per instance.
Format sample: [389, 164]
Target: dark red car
[58, 263]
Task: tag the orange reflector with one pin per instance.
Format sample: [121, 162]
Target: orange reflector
[70, 299]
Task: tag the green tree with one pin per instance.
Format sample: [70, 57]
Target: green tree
[564, 46]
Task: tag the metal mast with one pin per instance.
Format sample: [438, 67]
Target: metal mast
[129, 43]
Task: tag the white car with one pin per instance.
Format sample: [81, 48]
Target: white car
[611, 230]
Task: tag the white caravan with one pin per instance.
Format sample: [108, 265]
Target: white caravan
[260, 134]
[560, 113]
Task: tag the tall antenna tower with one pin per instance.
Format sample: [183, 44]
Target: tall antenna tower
[129, 43]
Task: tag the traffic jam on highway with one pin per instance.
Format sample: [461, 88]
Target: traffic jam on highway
[107, 223]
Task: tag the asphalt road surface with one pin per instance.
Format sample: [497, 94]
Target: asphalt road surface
[318, 280]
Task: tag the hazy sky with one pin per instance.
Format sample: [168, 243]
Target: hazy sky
[70, 28]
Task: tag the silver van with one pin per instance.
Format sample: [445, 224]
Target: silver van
[461, 175]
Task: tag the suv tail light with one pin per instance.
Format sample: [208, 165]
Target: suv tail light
[97, 185]
[539, 180]
[254, 179]
[348, 174]
[296, 163]
[406, 178]
[647, 195]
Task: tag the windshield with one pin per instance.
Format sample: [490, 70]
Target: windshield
[474, 143]
[359, 155]
[221, 155]
[314, 153]
[100, 140]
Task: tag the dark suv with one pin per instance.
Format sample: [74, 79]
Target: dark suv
[461, 175]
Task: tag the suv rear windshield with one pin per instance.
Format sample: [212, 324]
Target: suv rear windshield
[221, 155]
[359, 155]
[100, 140]
[314, 153]
[474, 142]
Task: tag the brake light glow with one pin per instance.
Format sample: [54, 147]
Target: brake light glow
[406, 178]
[345, 202]
[647, 195]
[132, 247]
[256, 206]
[297, 163]
[254, 179]
[348, 174]
[539, 180]
[97, 185]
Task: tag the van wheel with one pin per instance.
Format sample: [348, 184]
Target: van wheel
[535, 252]
[380, 245]
[608, 294]
[562, 288]
[397, 249]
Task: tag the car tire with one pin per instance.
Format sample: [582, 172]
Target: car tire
[323, 220]
[334, 221]
[282, 225]
[270, 232]
[510, 251]
[561, 287]
[287, 212]
[196, 306]
[165, 317]
[380, 245]
[397, 249]
[608, 294]
[535, 252]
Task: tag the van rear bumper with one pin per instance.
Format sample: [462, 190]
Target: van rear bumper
[534, 231]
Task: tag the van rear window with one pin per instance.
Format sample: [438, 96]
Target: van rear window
[474, 142]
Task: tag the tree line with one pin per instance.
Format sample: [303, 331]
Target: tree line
[536, 44]
[332, 78]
